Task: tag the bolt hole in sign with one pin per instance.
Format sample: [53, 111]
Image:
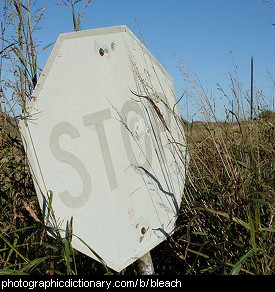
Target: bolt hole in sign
[103, 135]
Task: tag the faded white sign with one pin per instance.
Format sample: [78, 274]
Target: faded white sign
[100, 135]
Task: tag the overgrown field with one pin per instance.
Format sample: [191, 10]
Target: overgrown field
[225, 225]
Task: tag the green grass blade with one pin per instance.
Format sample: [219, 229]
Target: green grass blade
[225, 215]
[8, 271]
[67, 255]
[50, 201]
[34, 263]
[237, 267]
[252, 229]
[13, 248]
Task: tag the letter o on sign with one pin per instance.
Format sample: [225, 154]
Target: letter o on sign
[136, 125]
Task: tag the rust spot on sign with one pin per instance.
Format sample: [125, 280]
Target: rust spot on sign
[101, 52]
[143, 230]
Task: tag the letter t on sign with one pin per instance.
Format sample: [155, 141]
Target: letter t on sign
[97, 119]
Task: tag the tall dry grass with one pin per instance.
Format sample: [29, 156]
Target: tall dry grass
[228, 225]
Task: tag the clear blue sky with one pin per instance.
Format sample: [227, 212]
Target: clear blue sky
[202, 33]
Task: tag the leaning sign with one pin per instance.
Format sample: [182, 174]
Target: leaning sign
[102, 134]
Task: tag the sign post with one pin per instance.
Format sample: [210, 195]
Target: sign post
[145, 265]
[102, 137]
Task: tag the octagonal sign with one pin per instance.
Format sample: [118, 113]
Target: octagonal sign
[102, 135]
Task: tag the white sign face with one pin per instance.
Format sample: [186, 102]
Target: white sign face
[94, 136]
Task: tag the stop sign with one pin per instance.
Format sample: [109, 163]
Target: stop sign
[101, 133]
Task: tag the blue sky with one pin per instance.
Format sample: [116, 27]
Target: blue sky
[207, 35]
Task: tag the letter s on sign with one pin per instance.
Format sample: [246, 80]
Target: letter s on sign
[68, 158]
